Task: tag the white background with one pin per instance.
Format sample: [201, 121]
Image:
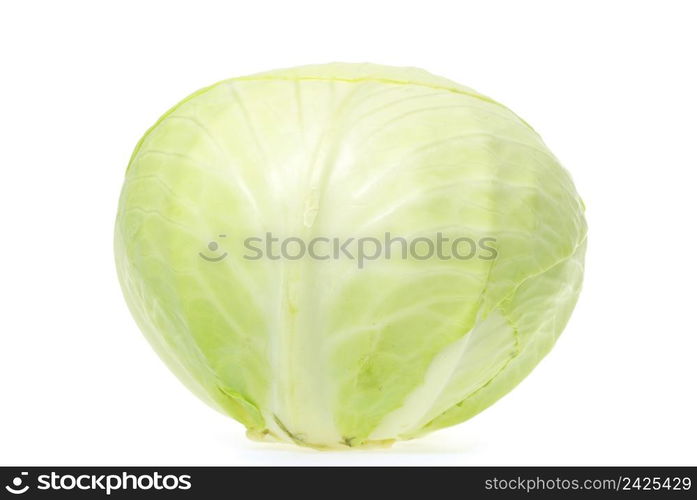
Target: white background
[611, 86]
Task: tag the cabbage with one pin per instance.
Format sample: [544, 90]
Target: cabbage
[327, 353]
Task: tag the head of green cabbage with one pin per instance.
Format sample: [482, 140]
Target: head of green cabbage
[321, 352]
